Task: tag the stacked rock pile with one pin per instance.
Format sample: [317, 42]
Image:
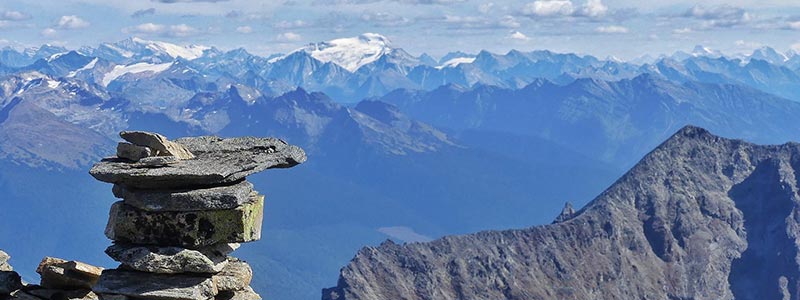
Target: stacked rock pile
[186, 205]
[61, 280]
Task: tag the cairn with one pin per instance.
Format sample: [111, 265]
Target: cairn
[186, 205]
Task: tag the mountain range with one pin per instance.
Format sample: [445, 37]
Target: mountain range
[350, 69]
[401, 147]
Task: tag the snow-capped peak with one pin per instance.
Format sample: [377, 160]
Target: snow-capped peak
[452, 63]
[770, 55]
[705, 51]
[187, 52]
[137, 49]
[350, 53]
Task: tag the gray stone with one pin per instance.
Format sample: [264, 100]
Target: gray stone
[156, 161]
[9, 282]
[158, 143]
[61, 274]
[155, 286]
[196, 229]
[63, 294]
[216, 198]
[217, 161]
[133, 152]
[566, 213]
[244, 294]
[172, 260]
[235, 276]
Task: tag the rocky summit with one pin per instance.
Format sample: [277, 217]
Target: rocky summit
[700, 217]
[186, 205]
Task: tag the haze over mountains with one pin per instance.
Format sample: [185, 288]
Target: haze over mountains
[400, 146]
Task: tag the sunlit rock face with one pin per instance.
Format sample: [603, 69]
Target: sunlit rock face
[700, 217]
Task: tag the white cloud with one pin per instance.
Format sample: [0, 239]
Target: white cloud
[594, 9]
[147, 28]
[611, 29]
[383, 19]
[683, 30]
[12, 15]
[795, 25]
[48, 32]
[509, 22]
[565, 8]
[719, 16]
[516, 35]
[289, 37]
[485, 8]
[180, 30]
[71, 22]
[796, 47]
[291, 24]
[549, 8]
[244, 29]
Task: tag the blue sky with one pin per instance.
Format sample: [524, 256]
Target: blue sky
[622, 28]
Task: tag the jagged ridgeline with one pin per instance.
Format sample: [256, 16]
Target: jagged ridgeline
[186, 205]
[700, 217]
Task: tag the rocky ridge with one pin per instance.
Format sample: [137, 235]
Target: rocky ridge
[186, 205]
[700, 217]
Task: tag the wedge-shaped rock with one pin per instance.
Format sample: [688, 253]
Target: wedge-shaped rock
[61, 274]
[172, 260]
[216, 198]
[244, 294]
[235, 276]
[155, 286]
[133, 152]
[157, 143]
[9, 282]
[191, 230]
[217, 161]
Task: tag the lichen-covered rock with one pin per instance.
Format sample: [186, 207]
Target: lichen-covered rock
[158, 143]
[218, 161]
[215, 198]
[172, 260]
[244, 294]
[62, 274]
[235, 276]
[133, 152]
[155, 286]
[193, 230]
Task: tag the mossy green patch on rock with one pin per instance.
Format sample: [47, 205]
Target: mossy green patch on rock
[186, 229]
